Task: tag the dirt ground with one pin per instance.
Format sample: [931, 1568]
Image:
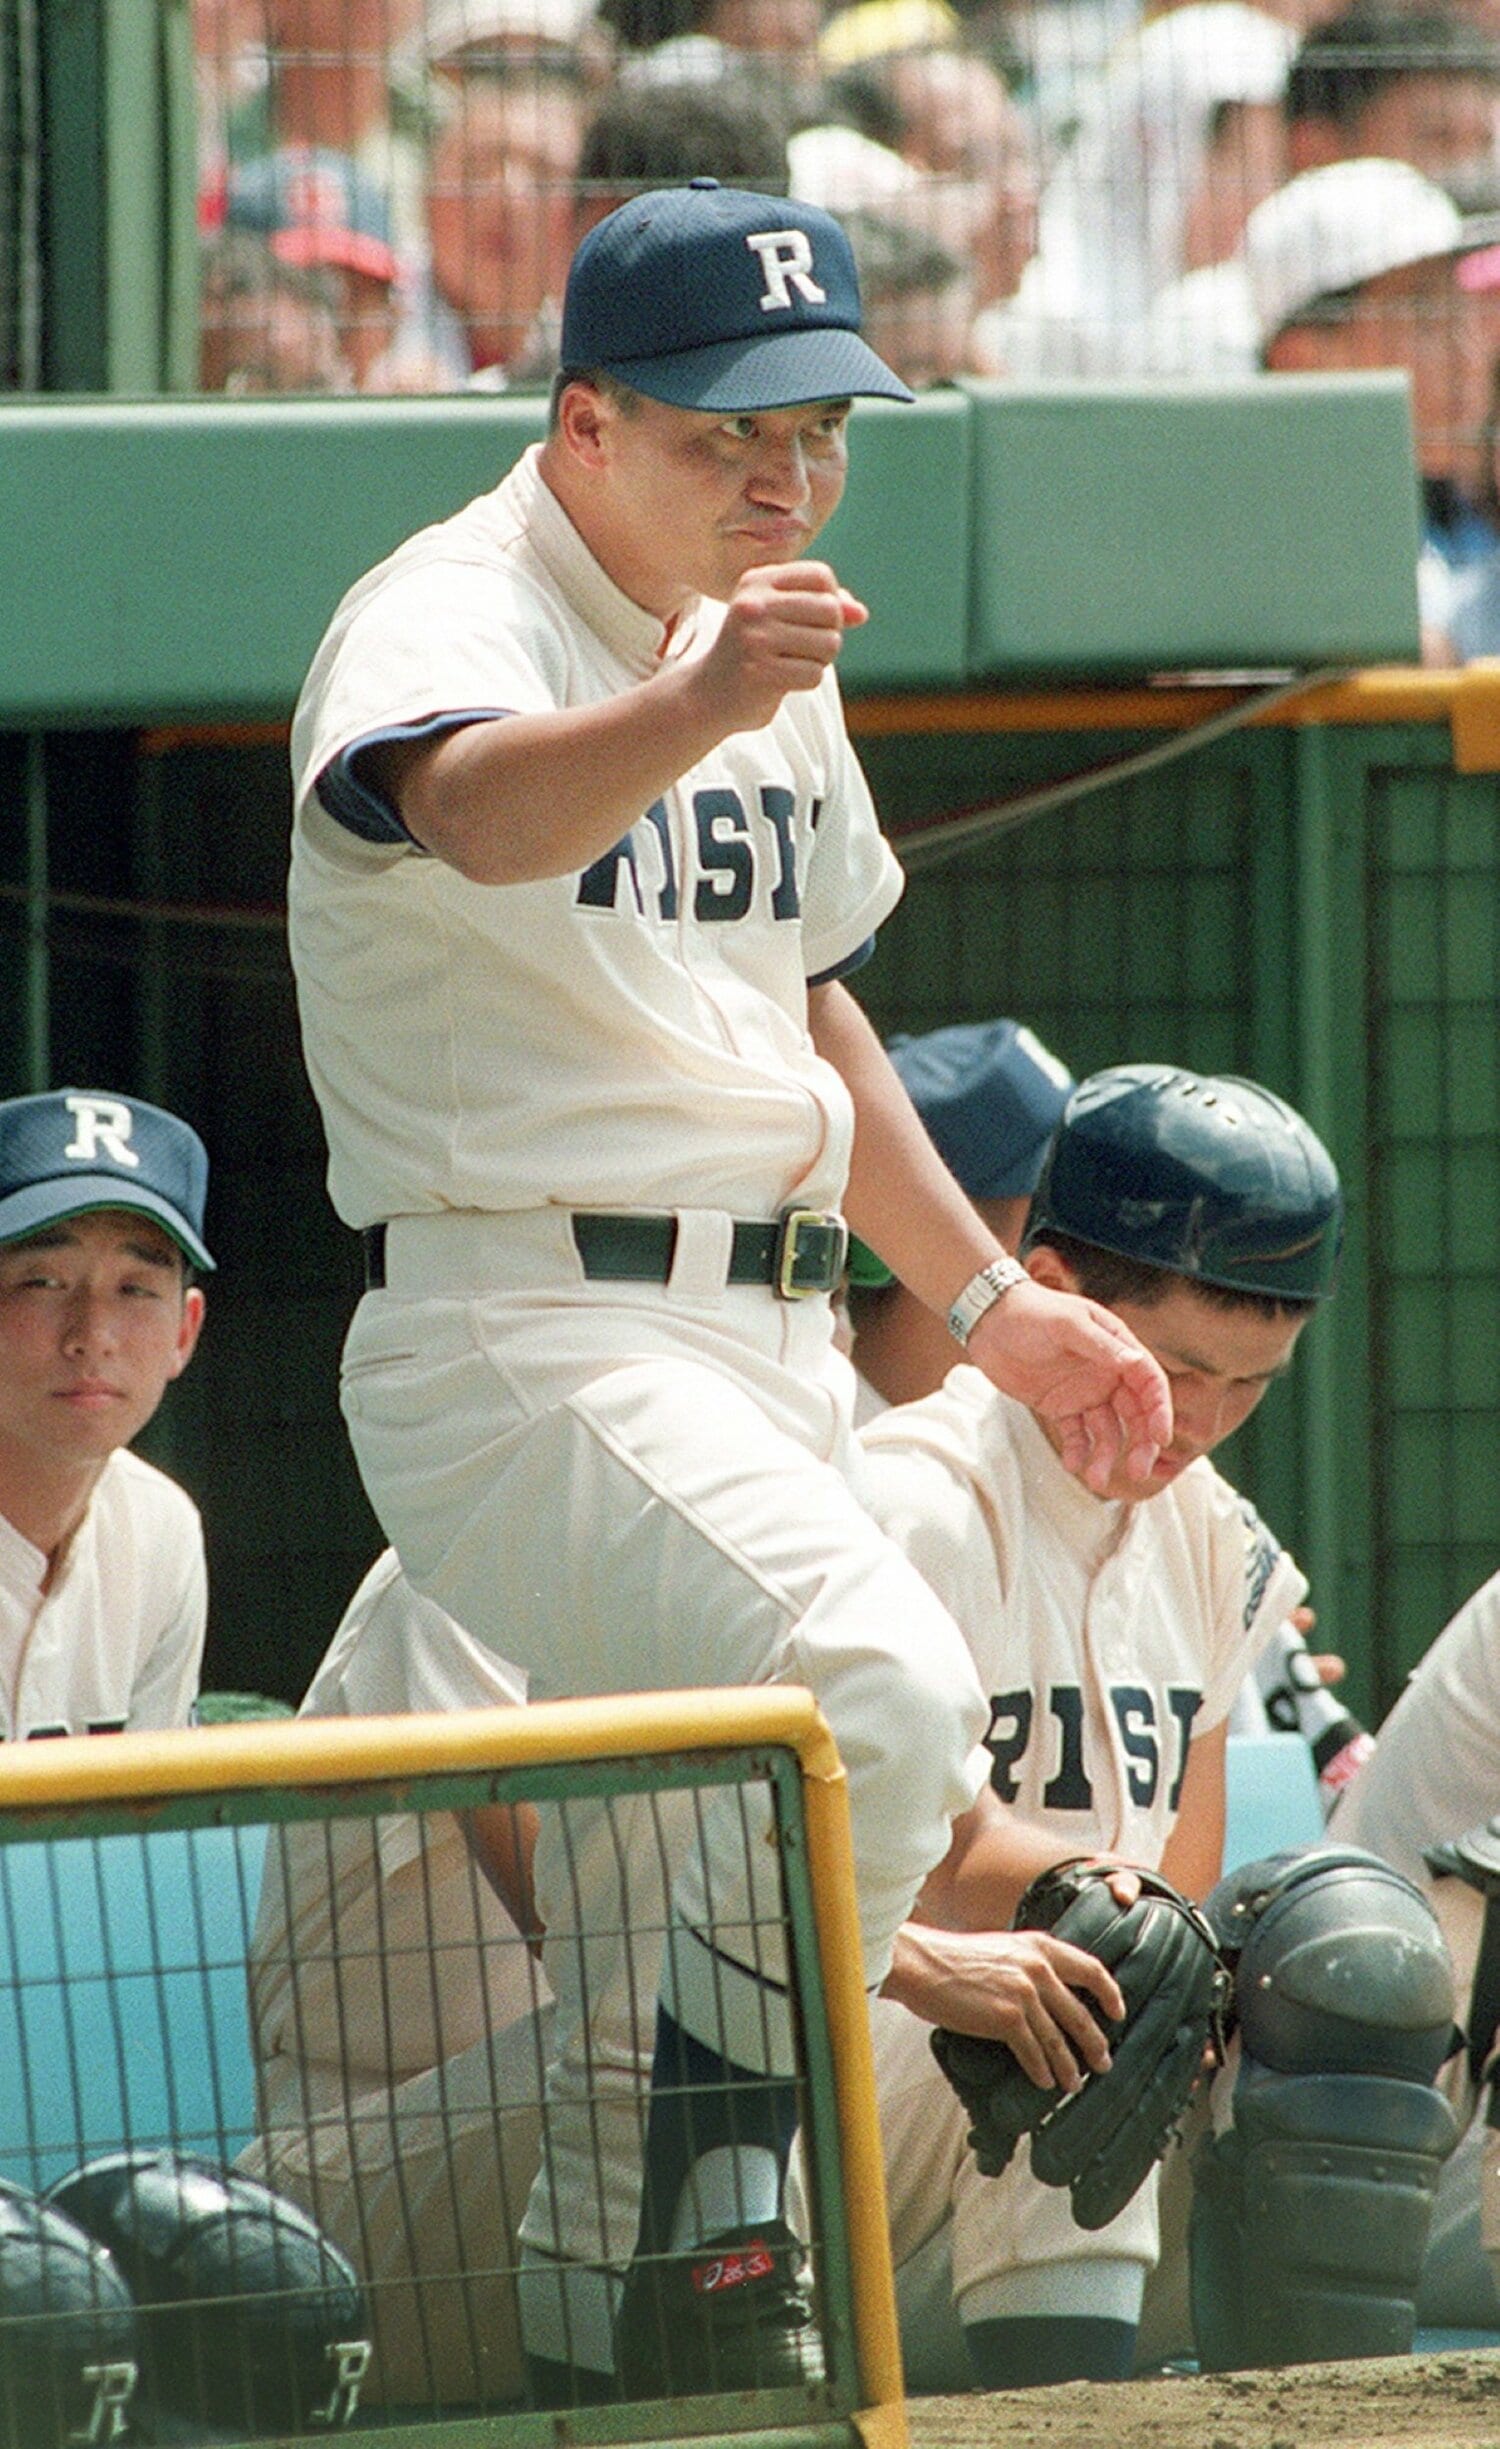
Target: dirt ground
[1443, 2401]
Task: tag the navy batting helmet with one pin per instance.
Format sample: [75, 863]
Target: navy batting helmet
[1210, 1178]
[67, 2330]
[251, 2322]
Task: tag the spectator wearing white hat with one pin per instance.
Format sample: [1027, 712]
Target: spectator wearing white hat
[461, 38]
[1367, 264]
[1414, 84]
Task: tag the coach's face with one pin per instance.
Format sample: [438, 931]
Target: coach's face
[687, 502]
[95, 1321]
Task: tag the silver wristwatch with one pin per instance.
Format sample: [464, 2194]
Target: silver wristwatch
[980, 1294]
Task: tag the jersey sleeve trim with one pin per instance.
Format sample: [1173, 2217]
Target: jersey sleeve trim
[851, 961]
[353, 802]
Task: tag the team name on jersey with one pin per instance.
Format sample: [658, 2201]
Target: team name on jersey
[1262, 1548]
[739, 855]
[1049, 1735]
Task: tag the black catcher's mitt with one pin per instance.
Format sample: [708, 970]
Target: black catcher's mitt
[1102, 2141]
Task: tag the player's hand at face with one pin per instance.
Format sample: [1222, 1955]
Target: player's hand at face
[1078, 1365]
[783, 628]
[1023, 1987]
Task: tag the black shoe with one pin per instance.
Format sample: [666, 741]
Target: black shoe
[735, 2313]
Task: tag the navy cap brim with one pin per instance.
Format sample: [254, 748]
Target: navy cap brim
[781, 370]
[45, 1203]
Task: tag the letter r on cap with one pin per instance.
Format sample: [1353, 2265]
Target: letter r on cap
[785, 260]
[101, 1123]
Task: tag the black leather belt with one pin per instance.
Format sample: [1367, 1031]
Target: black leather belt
[801, 1253]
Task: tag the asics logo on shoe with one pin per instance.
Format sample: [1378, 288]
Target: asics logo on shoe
[752, 2261]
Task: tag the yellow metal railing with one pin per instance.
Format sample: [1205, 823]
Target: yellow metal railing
[306, 1755]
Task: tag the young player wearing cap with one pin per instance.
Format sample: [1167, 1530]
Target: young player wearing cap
[990, 1096]
[1110, 1630]
[102, 1586]
[581, 853]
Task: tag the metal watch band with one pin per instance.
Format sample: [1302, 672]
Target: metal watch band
[980, 1294]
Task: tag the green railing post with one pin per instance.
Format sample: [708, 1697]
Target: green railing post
[118, 305]
[36, 1010]
[1331, 1382]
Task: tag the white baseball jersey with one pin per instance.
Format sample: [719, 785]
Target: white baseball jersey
[1435, 1770]
[1435, 1773]
[1106, 1635]
[619, 1486]
[117, 1639]
[634, 1036]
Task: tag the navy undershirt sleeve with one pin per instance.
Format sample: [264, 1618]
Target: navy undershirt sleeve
[352, 800]
[851, 961]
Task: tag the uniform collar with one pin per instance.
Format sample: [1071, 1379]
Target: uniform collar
[1094, 1527]
[639, 639]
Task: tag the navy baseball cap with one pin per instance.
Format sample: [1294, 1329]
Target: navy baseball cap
[991, 1095]
[74, 1150]
[713, 298]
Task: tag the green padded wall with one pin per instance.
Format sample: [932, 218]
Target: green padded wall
[1264, 523]
[160, 560]
[902, 539]
[183, 560]
[164, 559]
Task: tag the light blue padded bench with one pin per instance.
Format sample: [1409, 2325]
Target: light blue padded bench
[123, 2017]
[1271, 1789]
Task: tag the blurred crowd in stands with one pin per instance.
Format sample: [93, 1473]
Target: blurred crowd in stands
[1035, 189]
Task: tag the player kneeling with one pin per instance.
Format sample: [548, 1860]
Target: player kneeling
[1112, 1629]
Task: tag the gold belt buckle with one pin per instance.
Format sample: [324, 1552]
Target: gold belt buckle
[811, 1248]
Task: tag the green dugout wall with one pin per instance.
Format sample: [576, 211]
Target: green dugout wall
[1302, 886]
